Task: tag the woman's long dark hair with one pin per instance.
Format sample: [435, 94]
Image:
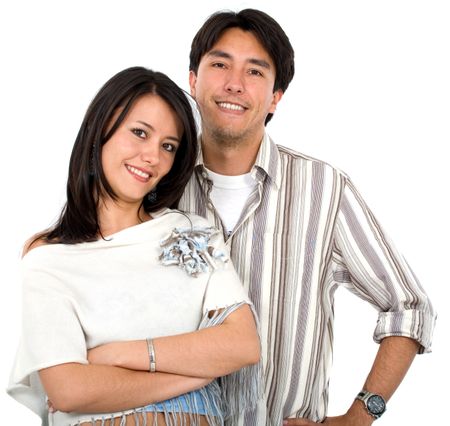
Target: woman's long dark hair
[86, 183]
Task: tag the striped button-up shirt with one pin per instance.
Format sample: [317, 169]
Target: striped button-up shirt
[304, 232]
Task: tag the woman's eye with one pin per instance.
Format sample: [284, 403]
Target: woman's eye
[169, 147]
[139, 133]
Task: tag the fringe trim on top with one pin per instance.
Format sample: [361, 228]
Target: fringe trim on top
[173, 411]
[242, 389]
[223, 399]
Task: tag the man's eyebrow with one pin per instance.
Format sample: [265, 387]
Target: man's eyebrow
[219, 54]
[255, 61]
[260, 62]
[172, 138]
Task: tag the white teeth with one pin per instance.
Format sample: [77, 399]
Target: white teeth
[138, 172]
[232, 107]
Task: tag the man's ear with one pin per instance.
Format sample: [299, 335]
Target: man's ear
[192, 82]
[277, 95]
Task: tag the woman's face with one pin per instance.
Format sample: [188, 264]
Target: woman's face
[142, 150]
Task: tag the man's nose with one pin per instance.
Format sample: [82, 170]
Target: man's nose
[235, 83]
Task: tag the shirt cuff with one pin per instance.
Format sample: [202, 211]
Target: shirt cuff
[415, 324]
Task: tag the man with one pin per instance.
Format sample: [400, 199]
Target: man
[297, 230]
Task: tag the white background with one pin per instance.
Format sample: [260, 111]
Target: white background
[371, 95]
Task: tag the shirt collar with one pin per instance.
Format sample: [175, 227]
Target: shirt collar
[267, 162]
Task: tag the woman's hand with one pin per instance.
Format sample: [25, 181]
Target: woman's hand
[132, 354]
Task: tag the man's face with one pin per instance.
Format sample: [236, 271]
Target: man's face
[234, 88]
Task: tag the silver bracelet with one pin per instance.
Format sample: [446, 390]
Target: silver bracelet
[151, 354]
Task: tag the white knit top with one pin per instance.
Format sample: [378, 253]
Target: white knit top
[76, 297]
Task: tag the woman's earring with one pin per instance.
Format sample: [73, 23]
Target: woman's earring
[152, 196]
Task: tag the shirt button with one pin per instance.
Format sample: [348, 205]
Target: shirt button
[205, 175]
[210, 206]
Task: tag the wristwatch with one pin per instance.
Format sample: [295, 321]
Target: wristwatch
[375, 404]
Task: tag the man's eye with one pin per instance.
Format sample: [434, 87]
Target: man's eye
[218, 65]
[255, 72]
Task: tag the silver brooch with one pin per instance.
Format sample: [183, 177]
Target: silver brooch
[192, 249]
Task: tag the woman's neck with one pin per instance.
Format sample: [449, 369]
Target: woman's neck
[114, 217]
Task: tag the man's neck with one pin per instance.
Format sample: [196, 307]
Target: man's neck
[232, 159]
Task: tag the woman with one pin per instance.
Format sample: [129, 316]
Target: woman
[120, 295]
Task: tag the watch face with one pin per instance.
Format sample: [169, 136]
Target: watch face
[376, 404]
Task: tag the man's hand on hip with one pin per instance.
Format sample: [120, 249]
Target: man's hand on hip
[345, 420]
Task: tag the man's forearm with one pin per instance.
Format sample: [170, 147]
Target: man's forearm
[393, 360]
[394, 357]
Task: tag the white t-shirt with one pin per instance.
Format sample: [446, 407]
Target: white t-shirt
[229, 195]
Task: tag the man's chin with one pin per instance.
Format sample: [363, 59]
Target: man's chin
[227, 136]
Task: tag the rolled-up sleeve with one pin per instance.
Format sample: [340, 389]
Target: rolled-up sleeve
[368, 264]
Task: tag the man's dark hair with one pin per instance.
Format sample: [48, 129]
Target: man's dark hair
[262, 26]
